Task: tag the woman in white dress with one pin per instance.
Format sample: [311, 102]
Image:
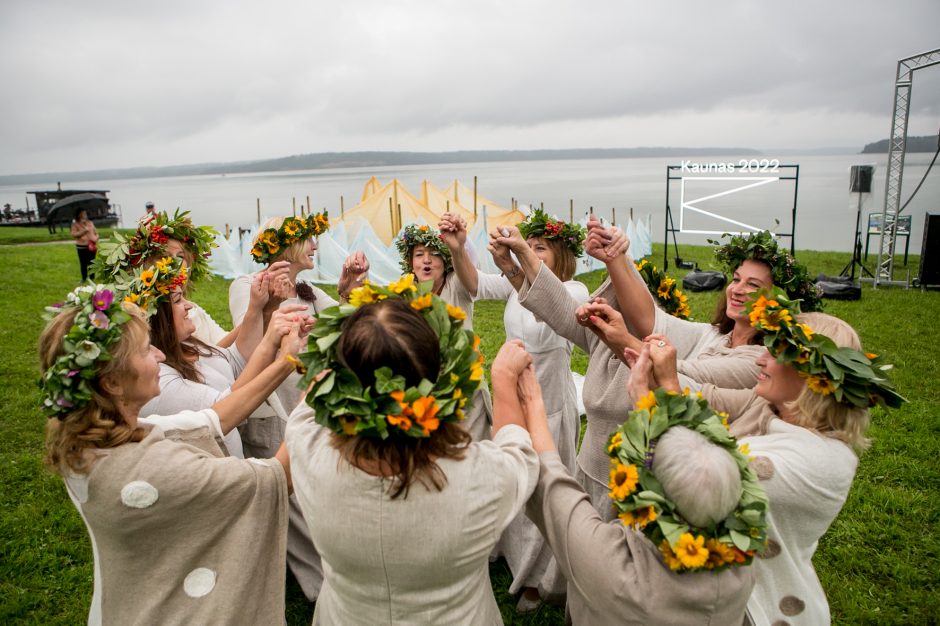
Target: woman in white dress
[403, 506]
[190, 535]
[425, 255]
[557, 245]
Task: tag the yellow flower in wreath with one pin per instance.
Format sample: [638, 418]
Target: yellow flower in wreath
[291, 227]
[672, 561]
[647, 402]
[455, 312]
[691, 551]
[163, 265]
[419, 304]
[718, 554]
[638, 518]
[623, 480]
[399, 420]
[665, 286]
[363, 295]
[820, 384]
[615, 442]
[405, 283]
[147, 277]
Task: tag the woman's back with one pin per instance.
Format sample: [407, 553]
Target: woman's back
[416, 559]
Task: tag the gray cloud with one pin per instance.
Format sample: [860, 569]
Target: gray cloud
[112, 84]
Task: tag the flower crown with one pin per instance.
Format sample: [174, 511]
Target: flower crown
[152, 284]
[272, 241]
[641, 502]
[541, 224]
[123, 255]
[66, 385]
[413, 235]
[387, 408]
[664, 289]
[787, 272]
[852, 377]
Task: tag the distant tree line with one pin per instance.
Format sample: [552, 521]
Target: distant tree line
[914, 144]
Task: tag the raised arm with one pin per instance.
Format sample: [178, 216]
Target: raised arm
[355, 272]
[454, 235]
[251, 328]
[503, 259]
[632, 297]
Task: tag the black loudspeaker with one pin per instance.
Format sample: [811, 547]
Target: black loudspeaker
[929, 275]
[861, 178]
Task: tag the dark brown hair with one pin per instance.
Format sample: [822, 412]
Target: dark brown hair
[724, 324]
[391, 334]
[97, 424]
[180, 355]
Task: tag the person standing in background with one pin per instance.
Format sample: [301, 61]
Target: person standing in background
[151, 212]
[86, 240]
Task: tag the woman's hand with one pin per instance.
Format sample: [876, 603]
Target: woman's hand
[605, 244]
[502, 256]
[260, 292]
[283, 320]
[280, 287]
[453, 230]
[510, 237]
[641, 379]
[293, 342]
[663, 357]
[607, 323]
[510, 361]
[355, 272]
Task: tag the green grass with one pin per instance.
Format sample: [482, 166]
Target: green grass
[11, 235]
[878, 562]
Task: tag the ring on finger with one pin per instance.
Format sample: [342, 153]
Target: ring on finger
[661, 343]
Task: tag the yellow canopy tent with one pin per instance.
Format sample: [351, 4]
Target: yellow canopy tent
[438, 202]
[496, 215]
[388, 209]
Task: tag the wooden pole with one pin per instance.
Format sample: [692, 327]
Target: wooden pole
[342, 209]
[474, 198]
[258, 201]
[571, 210]
[631, 214]
[293, 203]
[227, 231]
[613, 216]
[542, 205]
[391, 217]
[399, 218]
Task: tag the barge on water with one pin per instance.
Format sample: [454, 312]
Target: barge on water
[59, 206]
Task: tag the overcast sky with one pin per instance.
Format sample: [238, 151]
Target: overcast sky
[105, 84]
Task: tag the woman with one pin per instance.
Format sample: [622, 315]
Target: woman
[805, 424]
[403, 506]
[286, 246]
[546, 296]
[431, 255]
[723, 351]
[158, 235]
[557, 245]
[167, 547]
[195, 375]
[86, 240]
[670, 558]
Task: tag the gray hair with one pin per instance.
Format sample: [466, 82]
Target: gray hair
[700, 477]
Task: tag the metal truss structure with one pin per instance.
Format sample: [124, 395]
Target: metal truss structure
[896, 150]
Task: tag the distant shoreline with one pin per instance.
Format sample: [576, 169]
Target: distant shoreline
[335, 160]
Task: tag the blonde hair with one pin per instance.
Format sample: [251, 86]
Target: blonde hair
[823, 413]
[292, 253]
[97, 424]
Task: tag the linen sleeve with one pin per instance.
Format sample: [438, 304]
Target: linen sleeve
[735, 370]
[239, 293]
[551, 303]
[578, 537]
[207, 329]
[517, 470]
[178, 394]
[689, 338]
[492, 287]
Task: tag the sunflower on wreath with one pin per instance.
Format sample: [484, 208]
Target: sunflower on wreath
[664, 290]
[641, 502]
[272, 241]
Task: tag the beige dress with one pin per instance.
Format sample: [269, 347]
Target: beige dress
[615, 574]
[181, 534]
[423, 559]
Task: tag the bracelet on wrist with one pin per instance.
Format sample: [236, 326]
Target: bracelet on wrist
[515, 272]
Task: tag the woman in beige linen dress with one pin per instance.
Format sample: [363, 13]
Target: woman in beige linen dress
[405, 524]
[615, 574]
[179, 532]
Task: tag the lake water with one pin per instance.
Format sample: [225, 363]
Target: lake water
[825, 216]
